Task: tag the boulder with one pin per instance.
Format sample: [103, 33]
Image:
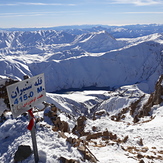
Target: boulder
[60, 125]
[23, 152]
[79, 127]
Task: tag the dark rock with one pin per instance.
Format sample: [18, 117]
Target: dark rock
[60, 125]
[141, 161]
[3, 91]
[79, 127]
[23, 152]
[65, 160]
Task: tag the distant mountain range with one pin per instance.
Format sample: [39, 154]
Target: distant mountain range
[127, 31]
[88, 59]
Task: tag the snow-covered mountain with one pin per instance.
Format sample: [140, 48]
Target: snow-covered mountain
[33, 38]
[122, 125]
[76, 61]
[127, 31]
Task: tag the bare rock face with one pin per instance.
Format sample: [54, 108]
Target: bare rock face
[155, 98]
[137, 110]
[3, 90]
[22, 153]
[79, 127]
[58, 124]
[106, 135]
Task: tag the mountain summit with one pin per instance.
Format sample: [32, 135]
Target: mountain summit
[100, 41]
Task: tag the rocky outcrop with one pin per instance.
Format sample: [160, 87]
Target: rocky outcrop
[139, 109]
[120, 115]
[99, 114]
[106, 135]
[79, 127]
[65, 160]
[82, 148]
[3, 90]
[59, 125]
[156, 97]
[87, 154]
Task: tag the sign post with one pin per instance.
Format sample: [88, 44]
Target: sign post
[33, 136]
[23, 96]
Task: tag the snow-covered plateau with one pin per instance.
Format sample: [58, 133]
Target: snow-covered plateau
[118, 121]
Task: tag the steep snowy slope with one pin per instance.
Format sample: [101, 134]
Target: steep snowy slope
[74, 63]
[112, 69]
[99, 42]
[41, 42]
[17, 39]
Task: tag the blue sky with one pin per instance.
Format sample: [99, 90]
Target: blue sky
[50, 13]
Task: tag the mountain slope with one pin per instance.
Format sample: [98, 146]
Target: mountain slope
[17, 39]
[99, 42]
[127, 66]
[95, 59]
[123, 125]
[101, 124]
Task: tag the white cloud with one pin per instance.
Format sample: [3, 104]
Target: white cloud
[18, 14]
[143, 12]
[27, 14]
[8, 4]
[47, 4]
[36, 4]
[138, 2]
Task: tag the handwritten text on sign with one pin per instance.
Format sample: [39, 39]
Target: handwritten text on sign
[26, 94]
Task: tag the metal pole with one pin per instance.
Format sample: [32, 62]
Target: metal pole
[34, 143]
[33, 134]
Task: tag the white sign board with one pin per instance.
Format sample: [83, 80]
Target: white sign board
[26, 94]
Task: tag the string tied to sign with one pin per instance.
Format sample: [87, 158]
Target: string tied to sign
[32, 120]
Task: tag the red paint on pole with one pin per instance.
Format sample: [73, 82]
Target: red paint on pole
[32, 120]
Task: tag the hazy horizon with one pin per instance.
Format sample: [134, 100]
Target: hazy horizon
[38, 13]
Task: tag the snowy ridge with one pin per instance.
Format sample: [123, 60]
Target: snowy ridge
[100, 42]
[127, 31]
[25, 39]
